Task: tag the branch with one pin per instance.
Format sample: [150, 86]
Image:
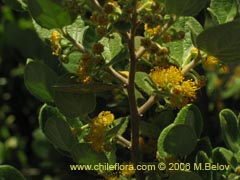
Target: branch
[96, 5]
[73, 41]
[148, 104]
[135, 118]
[124, 141]
[118, 75]
[192, 64]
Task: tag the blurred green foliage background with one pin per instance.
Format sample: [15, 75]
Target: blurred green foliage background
[22, 144]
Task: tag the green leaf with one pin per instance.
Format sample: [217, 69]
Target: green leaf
[112, 46]
[183, 175]
[73, 59]
[73, 104]
[230, 129]
[46, 112]
[221, 41]
[59, 133]
[38, 79]
[122, 26]
[162, 119]
[120, 126]
[224, 156]
[89, 37]
[77, 29]
[10, 173]
[83, 153]
[204, 144]
[223, 10]
[16, 4]
[50, 13]
[185, 7]
[149, 129]
[123, 54]
[177, 139]
[145, 83]
[181, 49]
[85, 88]
[201, 159]
[231, 88]
[190, 115]
[161, 139]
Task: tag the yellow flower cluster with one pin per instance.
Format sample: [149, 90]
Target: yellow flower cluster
[152, 30]
[55, 40]
[98, 130]
[171, 80]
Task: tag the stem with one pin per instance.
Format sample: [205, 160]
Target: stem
[96, 5]
[148, 104]
[135, 118]
[85, 126]
[73, 41]
[124, 141]
[118, 75]
[192, 64]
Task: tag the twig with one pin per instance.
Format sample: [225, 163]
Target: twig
[192, 64]
[118, 75]
[73, 41]
[151, 101]
[97, 6]
[124, 141]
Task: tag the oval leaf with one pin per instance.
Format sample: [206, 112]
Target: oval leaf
[191, 116]
[201, 159]
[223, 10]
[59, 133]
[10, 173]
[185, 7]
[178, 140]
[50, 13]
[38, 79]
[230, 130]
[145, 83]
[83, 153]
[85, 88]
[161, 140]
[73, 104]
[222, 41]
[224, 156]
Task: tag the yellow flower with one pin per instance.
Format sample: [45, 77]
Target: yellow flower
[171, 80]
[55, 40]
[165, 77]
[105, 118]
[98, 130]
[128, 169]
[96, 136]
[152, 30]
[210, 63]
